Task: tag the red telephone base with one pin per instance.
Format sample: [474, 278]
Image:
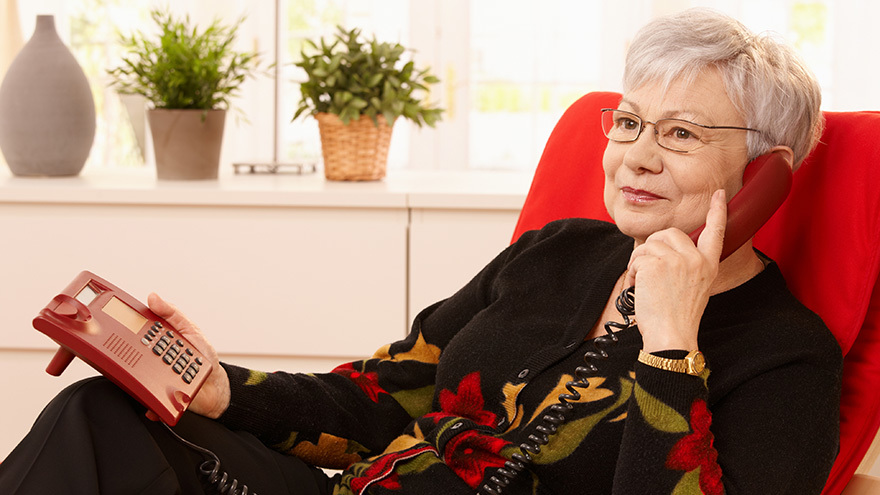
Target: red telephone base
[119, 336]
[59, 362]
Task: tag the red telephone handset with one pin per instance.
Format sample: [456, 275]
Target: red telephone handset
[766, 184]
[129, 344]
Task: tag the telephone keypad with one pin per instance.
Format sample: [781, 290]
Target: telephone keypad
[171, 354]
[180, 364]
[190, 373]
[174, 352]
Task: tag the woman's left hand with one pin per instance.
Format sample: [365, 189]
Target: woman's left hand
[673, 279]
[213, 398]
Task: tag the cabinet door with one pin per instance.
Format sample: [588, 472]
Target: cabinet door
[449, 246]
[258, 280]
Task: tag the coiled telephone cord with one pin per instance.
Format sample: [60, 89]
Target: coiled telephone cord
[210, 469]
[550, 422]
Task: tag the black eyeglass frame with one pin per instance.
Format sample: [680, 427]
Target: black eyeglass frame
[643, 123]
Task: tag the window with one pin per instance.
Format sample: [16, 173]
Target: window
[527, 65]
[508, 68]
[299, 20]
[90, 27]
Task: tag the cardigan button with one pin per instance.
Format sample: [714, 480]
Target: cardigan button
[522, 374]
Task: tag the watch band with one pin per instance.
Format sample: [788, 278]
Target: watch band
[693, 364]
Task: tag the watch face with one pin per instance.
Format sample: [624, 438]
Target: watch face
[699, 362]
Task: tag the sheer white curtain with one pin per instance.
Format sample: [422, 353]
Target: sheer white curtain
[10, 34]
[10, 38]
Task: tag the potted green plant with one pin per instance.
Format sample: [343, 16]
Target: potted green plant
[188, 77]
[357, 90]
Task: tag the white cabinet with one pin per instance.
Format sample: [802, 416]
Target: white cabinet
[258, 280]
[281, 272]
[449, 247]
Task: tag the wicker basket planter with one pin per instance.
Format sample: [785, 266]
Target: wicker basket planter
[357, 151]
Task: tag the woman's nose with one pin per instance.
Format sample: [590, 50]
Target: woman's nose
[644, 153]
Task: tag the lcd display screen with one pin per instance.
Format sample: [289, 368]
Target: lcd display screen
[123, 313]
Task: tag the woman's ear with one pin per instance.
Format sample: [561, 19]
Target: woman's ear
[786, 153]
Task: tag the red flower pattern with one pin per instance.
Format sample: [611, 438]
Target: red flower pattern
[390, 483]
[467, 402]
[471, 453]
[368, 382]
[381, 472]
[695, 450]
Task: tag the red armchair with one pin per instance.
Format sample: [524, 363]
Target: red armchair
[825, 238]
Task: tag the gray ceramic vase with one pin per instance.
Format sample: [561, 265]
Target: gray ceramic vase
[47, 114]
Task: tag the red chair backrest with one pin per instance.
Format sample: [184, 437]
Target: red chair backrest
[825, 238]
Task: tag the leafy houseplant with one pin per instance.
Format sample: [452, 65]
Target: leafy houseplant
[189, 78]
[349, 78]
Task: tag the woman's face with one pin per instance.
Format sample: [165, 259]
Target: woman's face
[649, 188]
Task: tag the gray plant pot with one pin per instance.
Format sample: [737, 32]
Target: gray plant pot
[187, 143]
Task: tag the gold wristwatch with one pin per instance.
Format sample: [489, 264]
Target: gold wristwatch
[693, 364]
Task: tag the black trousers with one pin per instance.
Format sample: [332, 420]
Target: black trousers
[94, 438]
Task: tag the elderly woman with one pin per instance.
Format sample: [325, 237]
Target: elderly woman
[723, 383]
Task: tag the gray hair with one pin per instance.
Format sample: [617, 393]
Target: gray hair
[765, 79]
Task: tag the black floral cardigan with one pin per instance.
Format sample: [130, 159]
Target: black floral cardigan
[442, 410]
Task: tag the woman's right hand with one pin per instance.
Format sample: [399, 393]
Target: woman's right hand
[674, 279]
[213, 398]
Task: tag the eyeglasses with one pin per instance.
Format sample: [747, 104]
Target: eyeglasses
[673, 134]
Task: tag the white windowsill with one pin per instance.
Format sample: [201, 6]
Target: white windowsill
[400, 189]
